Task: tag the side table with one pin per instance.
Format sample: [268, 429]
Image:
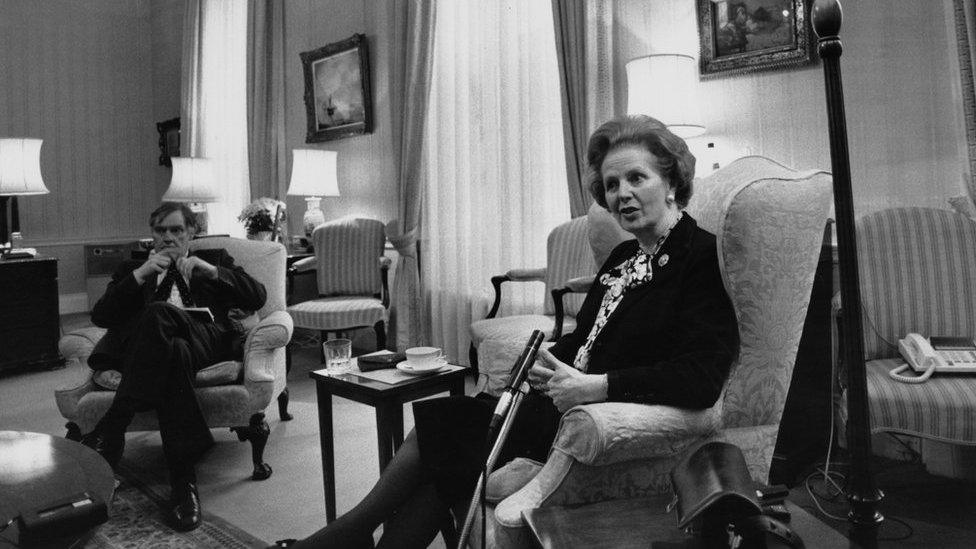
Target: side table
[36, 469]
[388, 399]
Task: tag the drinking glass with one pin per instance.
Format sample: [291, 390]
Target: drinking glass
[338, 352]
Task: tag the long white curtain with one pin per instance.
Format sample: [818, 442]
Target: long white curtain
[494, 165]
[214, 113]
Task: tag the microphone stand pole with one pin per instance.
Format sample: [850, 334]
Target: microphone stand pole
[517, 394]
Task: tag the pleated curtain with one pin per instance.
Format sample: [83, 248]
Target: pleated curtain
[265, 90]
[494, 164]
[413, 37]
[214, 106]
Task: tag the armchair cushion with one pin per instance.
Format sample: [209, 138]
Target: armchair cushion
[515, 328]
[338, 312]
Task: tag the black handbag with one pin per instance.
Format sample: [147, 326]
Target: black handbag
[715, 498]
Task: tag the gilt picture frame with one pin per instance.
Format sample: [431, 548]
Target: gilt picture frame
[742, 36]
[169, 140]
[337, 94]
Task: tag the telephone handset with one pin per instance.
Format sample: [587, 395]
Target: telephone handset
[939, 354]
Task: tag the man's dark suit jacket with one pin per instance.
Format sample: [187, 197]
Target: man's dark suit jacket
[671, 341]
[125, 299]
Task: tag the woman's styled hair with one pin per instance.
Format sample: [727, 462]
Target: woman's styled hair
[675, 163]
[166, 208]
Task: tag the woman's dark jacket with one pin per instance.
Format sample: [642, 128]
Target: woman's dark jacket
[671, 341]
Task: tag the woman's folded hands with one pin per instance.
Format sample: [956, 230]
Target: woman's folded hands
[565, 385]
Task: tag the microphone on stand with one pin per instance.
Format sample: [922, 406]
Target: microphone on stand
[519, 372]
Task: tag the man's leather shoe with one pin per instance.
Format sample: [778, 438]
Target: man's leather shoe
[108, 445]
[186, 513]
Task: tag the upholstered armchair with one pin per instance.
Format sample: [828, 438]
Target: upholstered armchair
[568, 256]
[231, 394]
[769, 222]
[351, 276]
[917, 270]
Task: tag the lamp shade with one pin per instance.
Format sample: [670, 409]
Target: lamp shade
[20, 167]
[314, 172]
[192, 181]
[665, 86]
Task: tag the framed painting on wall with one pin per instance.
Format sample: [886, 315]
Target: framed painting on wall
[169, 140]
[741, 36]
[337, 97]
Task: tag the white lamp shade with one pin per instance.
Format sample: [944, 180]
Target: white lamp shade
[314, 172]
[20, 167]
[665, 87]
[192, 181]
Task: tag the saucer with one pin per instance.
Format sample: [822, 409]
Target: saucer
[407, 369]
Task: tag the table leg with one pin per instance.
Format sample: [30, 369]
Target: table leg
[327, 449]
[396, 425]
[457, 387]
[384, 433]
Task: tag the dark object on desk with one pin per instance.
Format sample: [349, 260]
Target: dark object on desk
[379, 360]
[63, 517]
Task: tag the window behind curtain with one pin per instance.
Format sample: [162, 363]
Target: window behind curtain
[495, 174]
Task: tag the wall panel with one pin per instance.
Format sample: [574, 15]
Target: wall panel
[898, 89]
[79, 76]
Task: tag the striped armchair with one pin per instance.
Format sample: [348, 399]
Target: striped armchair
[351, 276]
[568, 256]
[917, 271]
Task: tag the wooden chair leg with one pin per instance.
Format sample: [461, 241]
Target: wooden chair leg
[257, 433]
[283, 406]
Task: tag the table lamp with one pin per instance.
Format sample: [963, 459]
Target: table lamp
[192, 182]
[20, 175]
[314, 174]
[665, 86]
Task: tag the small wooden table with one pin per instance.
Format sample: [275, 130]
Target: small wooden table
[388, 399]
[36, 469]
[645, 522]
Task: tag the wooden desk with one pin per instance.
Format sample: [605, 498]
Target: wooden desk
[644, 522]
[29, 321]
[388, 399]
[36, 469]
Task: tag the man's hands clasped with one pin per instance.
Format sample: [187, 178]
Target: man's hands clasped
[188, 266]
[565, 385]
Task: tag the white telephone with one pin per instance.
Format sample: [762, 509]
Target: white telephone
[939, 354]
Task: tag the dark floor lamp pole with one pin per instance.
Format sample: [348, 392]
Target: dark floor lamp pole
[863, 495]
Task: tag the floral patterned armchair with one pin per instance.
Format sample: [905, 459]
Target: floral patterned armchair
[769, 221]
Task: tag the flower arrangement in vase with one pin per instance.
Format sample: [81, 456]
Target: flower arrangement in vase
[263, 218]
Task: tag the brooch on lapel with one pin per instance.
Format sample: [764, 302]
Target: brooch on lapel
[663, 260]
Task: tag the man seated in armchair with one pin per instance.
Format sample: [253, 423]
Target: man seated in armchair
[159, 345]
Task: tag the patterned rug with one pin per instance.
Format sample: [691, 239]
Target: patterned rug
[137, 520]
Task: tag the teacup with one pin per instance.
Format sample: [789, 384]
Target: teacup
[422, 358]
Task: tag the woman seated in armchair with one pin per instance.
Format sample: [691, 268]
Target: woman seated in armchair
[657, 327]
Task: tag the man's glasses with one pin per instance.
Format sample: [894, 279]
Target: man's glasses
[175, 230]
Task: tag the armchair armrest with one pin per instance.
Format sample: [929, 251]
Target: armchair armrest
[575, 285]
[514, 275]
[527, 275]
[609, 432]
[272, 333]
[306, 264]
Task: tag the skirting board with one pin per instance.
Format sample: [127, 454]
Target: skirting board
[73, 303]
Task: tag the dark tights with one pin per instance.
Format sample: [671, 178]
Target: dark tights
[403, 498]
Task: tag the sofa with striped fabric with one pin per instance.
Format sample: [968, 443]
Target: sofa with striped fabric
[351, 277]
[917, 270]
